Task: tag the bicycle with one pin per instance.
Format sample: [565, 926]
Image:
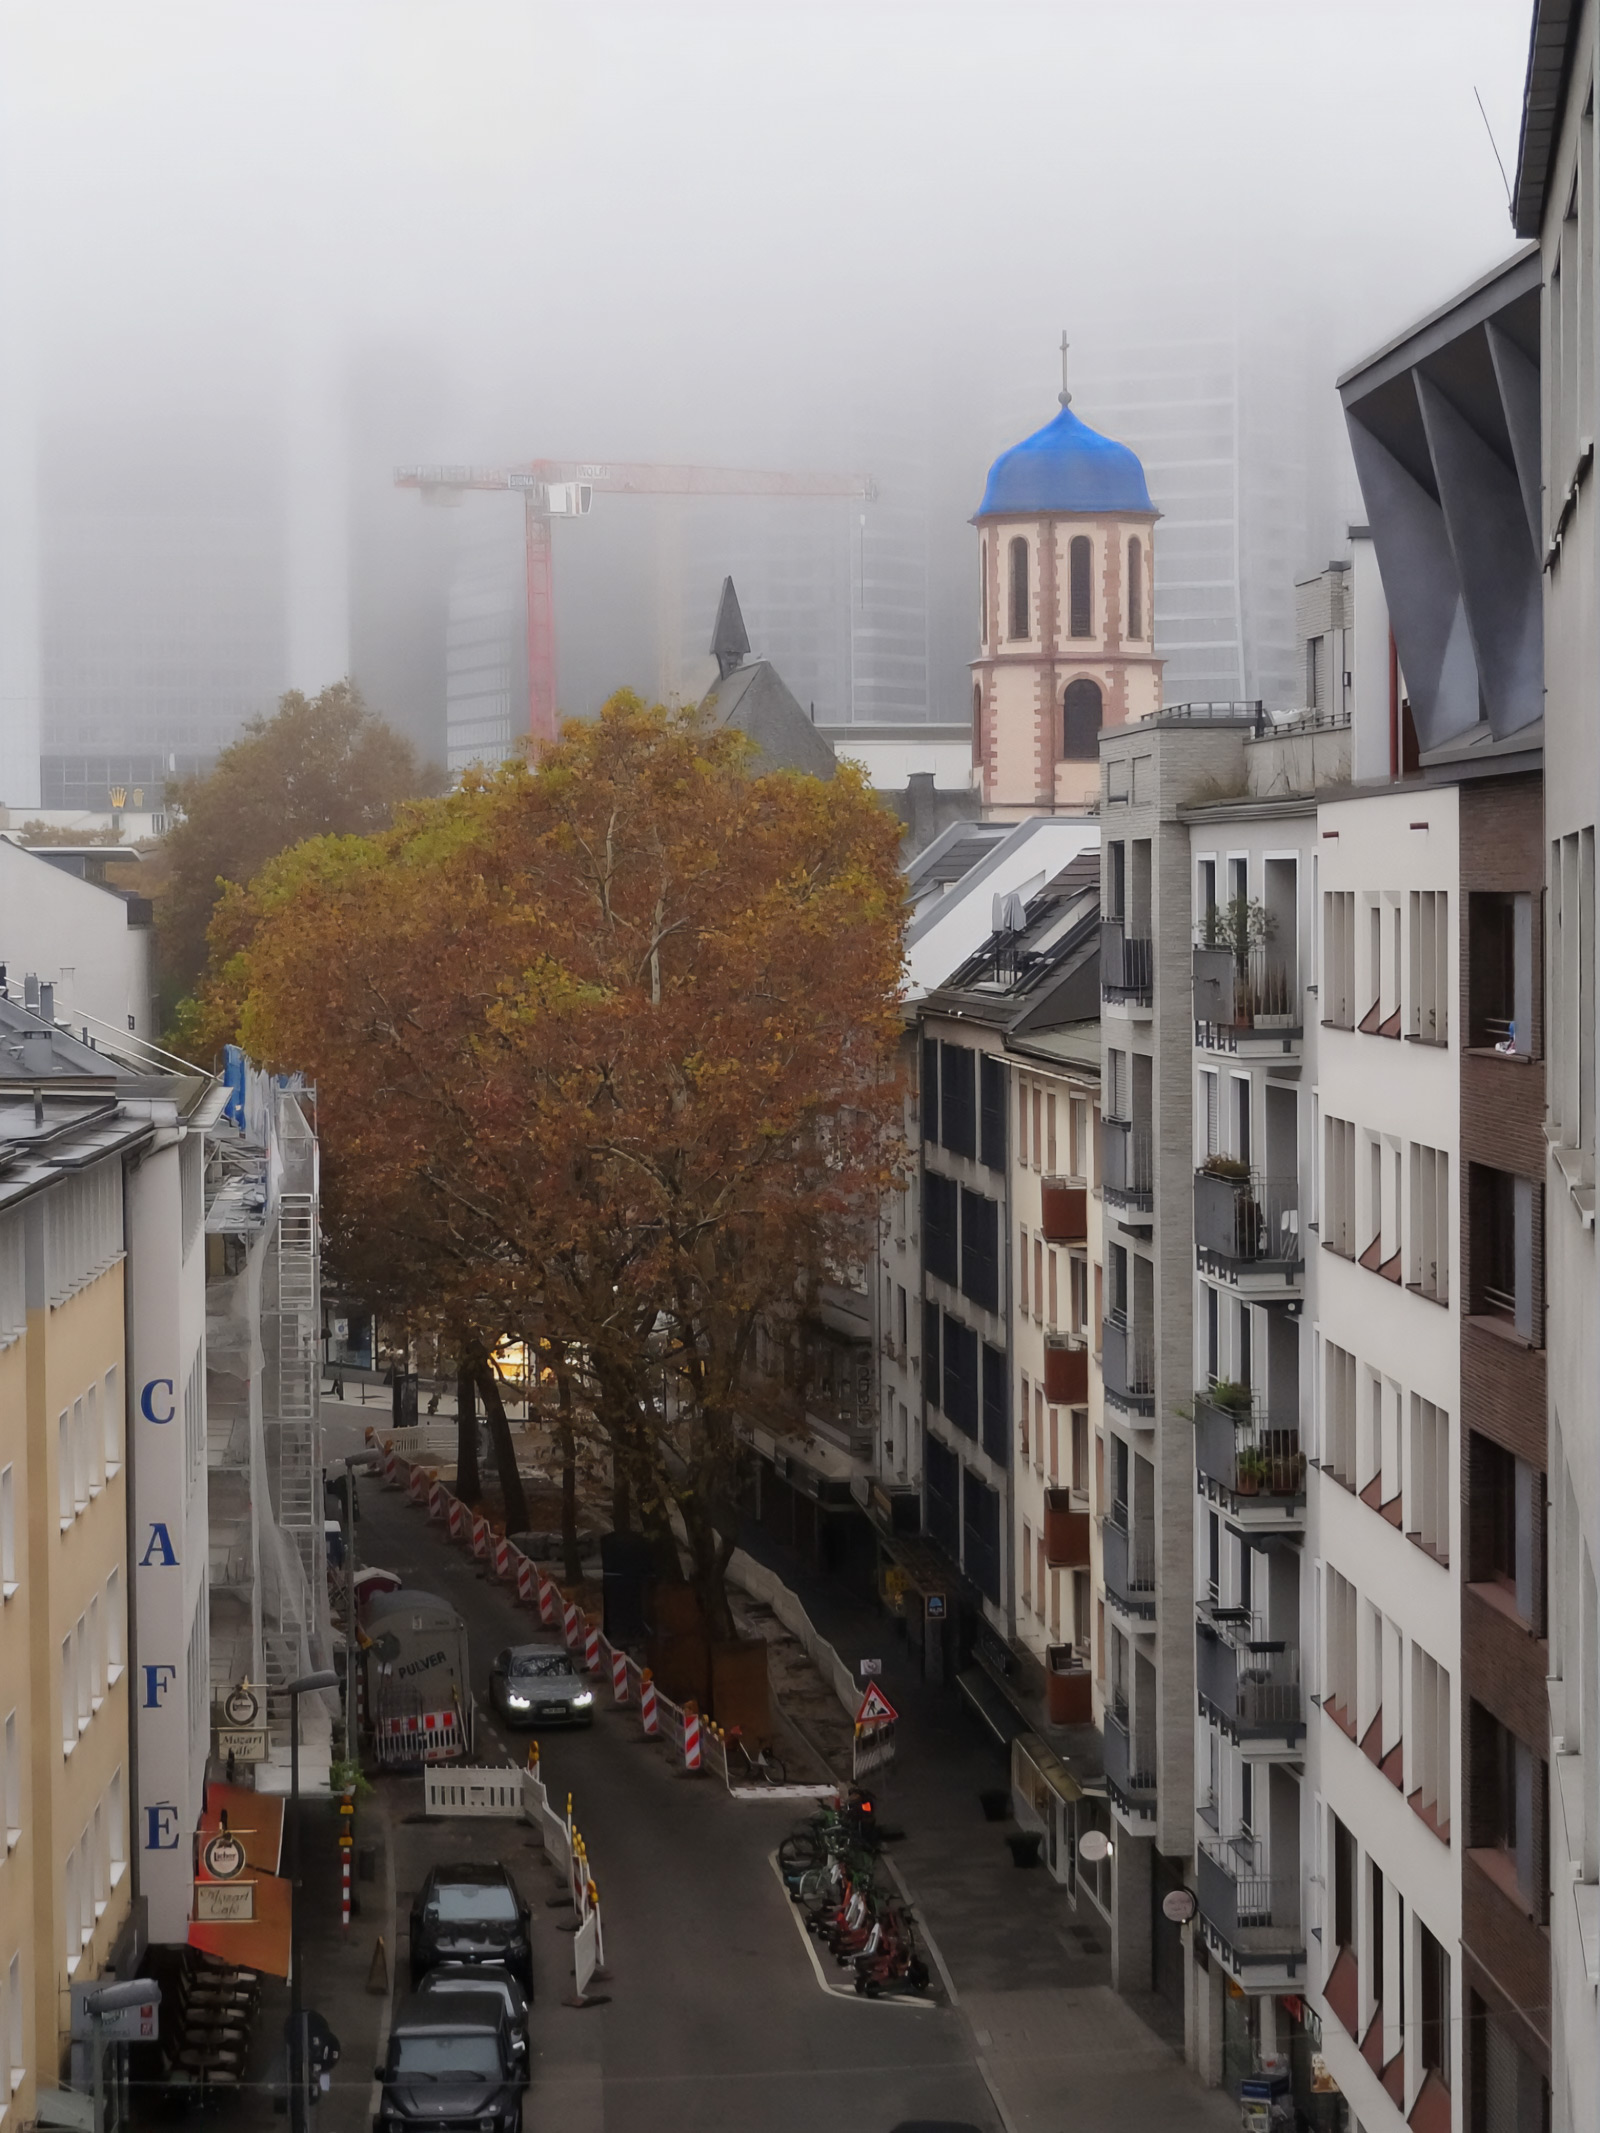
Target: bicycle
[767, 1767]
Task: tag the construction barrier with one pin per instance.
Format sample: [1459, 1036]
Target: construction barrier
[548, 1600]
[438, 1500]
[647, 1702]
[481, 1539]
[619, 1675]
[391, 1468]
[591, 1649]
[571, 1622]
[456, 1512]
[502, 1556]
[525, 1576]
[714, 1747]
[465, 1791]
[691, 1737]
[425, 1737]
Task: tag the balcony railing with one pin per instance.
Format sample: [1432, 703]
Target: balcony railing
[1127, 965]
[1129, 1561]
[1251, 1689]
[1128, 1365]
[1255, 1915]
[1236, 999]
[1065, 1210]
[1066, 1370]
[1066, 1531]
[1130, 1765]
[1246, 1224]
[1238, 1455]
[1127, 1165]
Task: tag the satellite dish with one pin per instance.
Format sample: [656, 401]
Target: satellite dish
[1094, 1845]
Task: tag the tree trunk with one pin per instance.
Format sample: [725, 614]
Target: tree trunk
[505, 1457]
[468, 1486]
[565, 1438]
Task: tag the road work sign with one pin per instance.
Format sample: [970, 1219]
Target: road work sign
[876, 1709]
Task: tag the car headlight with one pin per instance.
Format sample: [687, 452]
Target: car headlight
[517, 1703]
[584, 1696]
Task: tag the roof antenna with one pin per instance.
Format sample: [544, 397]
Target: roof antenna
[1064, 396]
[1489, 130]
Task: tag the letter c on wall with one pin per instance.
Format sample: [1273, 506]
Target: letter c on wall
[148, 1398]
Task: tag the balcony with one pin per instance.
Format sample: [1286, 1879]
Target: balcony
[1066, 1370]
[1251, 1919]
[1066, 1531]
[1250, 1688]
[1127, 967]
[1257, 1472]
[1247, 1228]
[1128, 1366]
[1250, 1010]
[1129, 1564]
[1068, 1687]
[1065, 1218]
[1130, 1769]
[1127, 1171]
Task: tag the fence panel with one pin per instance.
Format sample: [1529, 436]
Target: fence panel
[486, 1791]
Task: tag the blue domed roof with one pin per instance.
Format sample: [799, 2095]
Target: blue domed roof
[1066, 466]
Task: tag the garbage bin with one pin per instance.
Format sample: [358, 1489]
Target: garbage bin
[1024, 1845]
[996, 1804]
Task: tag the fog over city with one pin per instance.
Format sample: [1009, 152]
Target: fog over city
[254, 258]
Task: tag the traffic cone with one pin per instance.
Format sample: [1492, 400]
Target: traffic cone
[378, 1975]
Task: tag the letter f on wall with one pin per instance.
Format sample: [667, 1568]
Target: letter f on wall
[154, 1685]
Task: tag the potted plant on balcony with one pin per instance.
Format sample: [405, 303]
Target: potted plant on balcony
[1250, 1471]
[1226, 1166]
[1242, 926]
[1233, 1398]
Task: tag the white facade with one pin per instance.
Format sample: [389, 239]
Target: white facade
[92, 945]
[1384, 1876]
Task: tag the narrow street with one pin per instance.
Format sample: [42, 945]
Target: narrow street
[715, 2015]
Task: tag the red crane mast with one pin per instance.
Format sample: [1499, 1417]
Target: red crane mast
[565, 488]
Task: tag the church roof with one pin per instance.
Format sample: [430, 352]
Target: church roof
[1066, 466]
[757, 700]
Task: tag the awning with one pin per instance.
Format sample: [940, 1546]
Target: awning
[260, 1942]
[1049, 1766]
[998, 1716]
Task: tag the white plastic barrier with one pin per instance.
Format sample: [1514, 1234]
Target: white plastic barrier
[552, 1828]
[485, 1791]
[765, 1585]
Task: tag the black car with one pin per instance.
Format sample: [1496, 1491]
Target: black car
[470, 1914]
[535, 1685]
[452, 1978]
[450, 2067]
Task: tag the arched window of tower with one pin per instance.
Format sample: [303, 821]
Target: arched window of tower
[977, 722]
[1080, 718]
[1081, 618]
[1019, 587]
[1135, 587]
[983, 592]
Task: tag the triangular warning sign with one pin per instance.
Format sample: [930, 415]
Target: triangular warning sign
[876, 1709]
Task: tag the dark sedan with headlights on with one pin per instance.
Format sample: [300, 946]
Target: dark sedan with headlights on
[535, 1685]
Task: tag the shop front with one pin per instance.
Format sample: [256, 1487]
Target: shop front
[1047, 1797]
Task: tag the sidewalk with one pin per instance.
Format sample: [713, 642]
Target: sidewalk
[1031, 1974]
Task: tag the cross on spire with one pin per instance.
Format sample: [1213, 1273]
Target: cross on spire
[1065, 394]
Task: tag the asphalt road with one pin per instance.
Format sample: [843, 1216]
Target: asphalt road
[715, 2017]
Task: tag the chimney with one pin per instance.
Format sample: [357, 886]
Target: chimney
[47, 1003]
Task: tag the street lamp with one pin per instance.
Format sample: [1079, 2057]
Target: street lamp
[327, 1679]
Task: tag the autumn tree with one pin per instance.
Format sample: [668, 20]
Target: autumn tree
[605, 1053]
[320, 765]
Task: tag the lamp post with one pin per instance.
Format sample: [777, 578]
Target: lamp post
[111, 1999]
[327, 1679]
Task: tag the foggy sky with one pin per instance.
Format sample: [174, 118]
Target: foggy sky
[735, 233]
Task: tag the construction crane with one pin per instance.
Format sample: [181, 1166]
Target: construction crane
[566, 488]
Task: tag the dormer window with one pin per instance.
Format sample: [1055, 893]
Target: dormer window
[1019, 588]
[1081, 605]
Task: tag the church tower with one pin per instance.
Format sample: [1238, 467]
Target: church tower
[1067, 593]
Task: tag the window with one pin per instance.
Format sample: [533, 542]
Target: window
[1080, 1294]
[980, 1249]
[1082, 710]
[1505, 1541]
[980, 1534]
[1135, 587]
[1050, 1135]
[1339, 959]
[1428, 1520]
[69, 1697]
[941, 1471]
[1500, 967]
[1027, 1398]
[977, 722]
[958, 1099]
[64, 1467]
[1210, 1112]
[939, 1246]
[114, 1625]
[930, 1090]
[1022, 1275]
[1505, 1216]
[996, 1421]
[1027, 1565]
[1429, 1019]
[902, 1318]
[111, 1421]
[11, 1782]
[1116, 888]
[1430, 1740]
[991, 1112]
[95, 1655]
[1339, 1679]
[932, 1366]
[1344, 1886]
[1022, 1121]
[13, 1287]
[1020, 603]
[961, 1375]
[1429, 1270]
[1509, 1808]
[1053, 1316]
[80, 1458]
[1080, 563]
[1433, 1979]
[116, 1840]
[71, 1900]
[983, 602]
[8, 1532]
[1038, 1129]
[1339, 1187]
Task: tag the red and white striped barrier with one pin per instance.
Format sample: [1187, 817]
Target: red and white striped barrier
[619, 1676]
[591, 1649]
[691, 1737]
[570, 1624]
[502, 1556]
[647, 1702]
[548, 1596]
[481, 1539]
[457, 1516]
[526, 1578]
[426, 1737]
[344, 1886]
[438, 1500]
[391, 1467]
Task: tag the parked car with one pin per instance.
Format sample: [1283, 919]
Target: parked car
[450, 2065]
[450, 1979]
[535, 1685]
[470, 1914]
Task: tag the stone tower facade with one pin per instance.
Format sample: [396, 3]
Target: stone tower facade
[1067, 594]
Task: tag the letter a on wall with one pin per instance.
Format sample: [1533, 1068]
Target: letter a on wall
[159, 1549]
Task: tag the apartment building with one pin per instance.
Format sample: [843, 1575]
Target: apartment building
[1555, 204]
[94, 945]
